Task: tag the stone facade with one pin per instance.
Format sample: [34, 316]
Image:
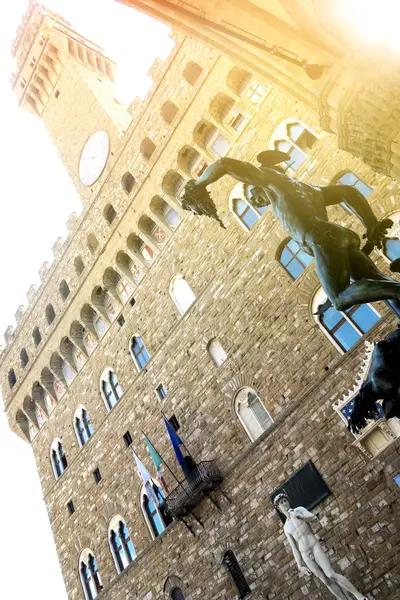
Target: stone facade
[245, 299]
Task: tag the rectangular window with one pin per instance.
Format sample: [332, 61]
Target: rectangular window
[220, 145]
[256, 93]
[161, 392]
[56, 94]
[238, 120]
[174, 422]
[97, 475]
[121, 321]
[33, 62]
[128, 439]
[23, 82]
[132, 302]
[71, 507]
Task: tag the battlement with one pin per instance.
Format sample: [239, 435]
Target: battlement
[137, 107]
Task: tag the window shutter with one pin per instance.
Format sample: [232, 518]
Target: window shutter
[260, 413]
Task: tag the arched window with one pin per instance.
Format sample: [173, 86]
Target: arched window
[139, 353]
[83, 426]
[79, 265]
[217, 353]
[350, 178]
[238, 80]
[204, 134]
[154, 515]
[297, 141]
[294, 259]
[172, 183]
[89, 575]
[242, 207]
[109, 213]
[251, 412]
[132, 271]
[37, 338]
[165, 212]
[346, 327]
[122, 549]
[147, 148]
[127, 182]
[188, 159]
[92, 243]
[168, 111]
[391, 244]
[23, 357]
[177, 594]
[64, 289]
[50, 313]
[58, 458]
[192, 72]
[181, 293]
[139, 248]
[116, 285]
[12, 380]
[110, 388]
[25, 425]
[155, 234]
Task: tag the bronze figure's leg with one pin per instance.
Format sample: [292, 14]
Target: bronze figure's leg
[335, 263]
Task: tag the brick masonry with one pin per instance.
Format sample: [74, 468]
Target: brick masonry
[263, 320]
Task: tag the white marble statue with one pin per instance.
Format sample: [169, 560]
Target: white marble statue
[309, 555]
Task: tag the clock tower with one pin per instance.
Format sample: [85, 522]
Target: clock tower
[55, 67]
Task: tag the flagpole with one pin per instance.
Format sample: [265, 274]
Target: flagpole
[150, 492]
[164, 462]
[187, 451]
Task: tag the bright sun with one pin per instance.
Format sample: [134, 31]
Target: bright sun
[376, 21]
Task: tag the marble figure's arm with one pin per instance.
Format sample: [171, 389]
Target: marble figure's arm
[304, 514]
[297, 556]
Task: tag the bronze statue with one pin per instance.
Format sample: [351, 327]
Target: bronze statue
[383, 383]
[346, 273]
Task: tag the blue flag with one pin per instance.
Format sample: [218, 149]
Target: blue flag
[176, 444]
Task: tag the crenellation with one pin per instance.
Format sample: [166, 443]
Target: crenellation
[58, 247]
[44, 270]
[72, 222]
[8, 333]
[19, 314]
[31, 293]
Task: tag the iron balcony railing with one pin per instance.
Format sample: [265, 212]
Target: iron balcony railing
[205, 477]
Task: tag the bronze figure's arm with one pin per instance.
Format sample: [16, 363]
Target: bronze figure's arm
[376, 230]
[196, 197]
[238, 169]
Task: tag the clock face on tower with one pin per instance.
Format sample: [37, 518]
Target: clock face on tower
[94, 157]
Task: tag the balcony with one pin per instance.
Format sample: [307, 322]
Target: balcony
[205, 477]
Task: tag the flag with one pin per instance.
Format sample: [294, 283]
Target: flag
[176, 444]
[146, 479]
[158, 462]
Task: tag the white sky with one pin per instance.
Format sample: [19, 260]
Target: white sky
[37, 198]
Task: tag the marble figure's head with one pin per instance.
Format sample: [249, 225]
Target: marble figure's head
[281, 501]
